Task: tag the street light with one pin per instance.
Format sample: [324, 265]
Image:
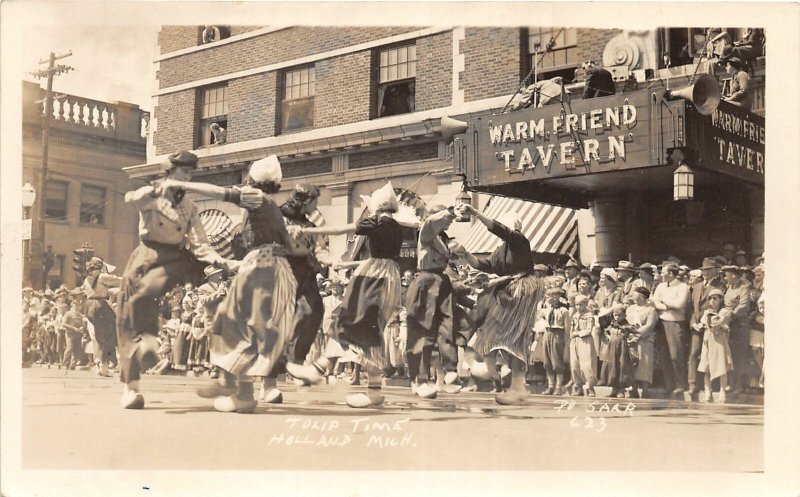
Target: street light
[683, 183]
[28, 198]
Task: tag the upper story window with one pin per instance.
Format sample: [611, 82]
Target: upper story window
[93, 204]
[561, 59]
[55, 202]
[210, 34]
[297, 103]
[397, 71]
[213, 110]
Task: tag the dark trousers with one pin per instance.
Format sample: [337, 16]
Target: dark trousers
[675, 332]
[694, 358]
[152, 270]
[309, 311]
[430, 310]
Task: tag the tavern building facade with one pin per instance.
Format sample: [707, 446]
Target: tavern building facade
[347, 108]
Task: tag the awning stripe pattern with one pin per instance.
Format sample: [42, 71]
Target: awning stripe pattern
[218, 228]
[550, 229]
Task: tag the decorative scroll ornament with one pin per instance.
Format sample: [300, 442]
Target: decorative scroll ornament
[624, 50]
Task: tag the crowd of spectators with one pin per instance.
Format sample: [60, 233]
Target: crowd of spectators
[632, 327]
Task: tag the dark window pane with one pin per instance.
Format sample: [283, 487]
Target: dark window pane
[395, 98]
[93, 203]
[297, 114]
[55, 203]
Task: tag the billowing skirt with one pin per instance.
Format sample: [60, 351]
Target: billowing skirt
[505, 315]
[257, 317]
[370, 299]
[102, 317]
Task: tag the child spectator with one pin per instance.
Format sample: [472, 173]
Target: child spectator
[582, 352]
[556, 317]
[618, 368]
[715, 357]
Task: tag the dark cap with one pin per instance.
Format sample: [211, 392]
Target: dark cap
[183, 158]
[644, 291]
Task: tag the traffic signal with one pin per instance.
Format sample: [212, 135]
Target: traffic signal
[80, 258]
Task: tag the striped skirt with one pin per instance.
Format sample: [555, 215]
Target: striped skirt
[370, 299]
[257, 318]
[506, 313]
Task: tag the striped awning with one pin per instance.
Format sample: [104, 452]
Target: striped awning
[219, 229]
[550, 229]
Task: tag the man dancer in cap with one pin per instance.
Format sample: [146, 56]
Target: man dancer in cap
[167, 223]
[429, 305]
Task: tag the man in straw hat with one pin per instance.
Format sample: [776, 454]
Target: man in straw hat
[168, 223]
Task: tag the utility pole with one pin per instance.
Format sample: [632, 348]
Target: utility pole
[52, 71]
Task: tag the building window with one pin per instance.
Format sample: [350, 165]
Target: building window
[93, 204]
[55, 202]
[397, 70]
[297, 104]
[213, 109]
[561, 60]
[55, 276]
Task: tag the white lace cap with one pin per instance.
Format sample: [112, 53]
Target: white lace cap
[266, 169]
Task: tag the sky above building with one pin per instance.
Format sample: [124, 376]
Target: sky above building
[111, 63]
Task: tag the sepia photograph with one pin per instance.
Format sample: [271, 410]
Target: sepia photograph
[379, 248]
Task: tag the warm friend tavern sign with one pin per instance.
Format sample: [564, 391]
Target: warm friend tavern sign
[614, 133]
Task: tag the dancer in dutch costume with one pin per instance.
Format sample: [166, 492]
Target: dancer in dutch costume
[168, 223]
[97, 286]
[257, 317]
[504, 313]
[371, 297]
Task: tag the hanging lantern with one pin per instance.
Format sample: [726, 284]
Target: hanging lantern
[464, 198]
[683, 183]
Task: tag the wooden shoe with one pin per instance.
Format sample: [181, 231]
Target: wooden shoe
[131, 400]
[426, 391]
[274, 396]
[215, 390]
[550, 391]
[450, 378]
[511, 398]
[233, 403]
[361, 400]
[451, 389]
[305, 372]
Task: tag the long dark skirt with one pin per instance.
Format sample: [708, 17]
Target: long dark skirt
[617, 371]
[430, 311]
[370, 299]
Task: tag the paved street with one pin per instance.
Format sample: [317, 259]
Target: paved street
[72, 421]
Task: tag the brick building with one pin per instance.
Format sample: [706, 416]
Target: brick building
[90, 142]
[347, 108]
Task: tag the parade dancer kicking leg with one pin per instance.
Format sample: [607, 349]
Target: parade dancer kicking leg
[257, 316]
[505, 310]
[167, 223]
[372, 295]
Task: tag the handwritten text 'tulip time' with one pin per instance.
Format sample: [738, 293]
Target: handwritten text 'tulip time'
[334, 433]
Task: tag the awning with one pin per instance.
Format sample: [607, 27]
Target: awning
[550, 229]
[218, 227]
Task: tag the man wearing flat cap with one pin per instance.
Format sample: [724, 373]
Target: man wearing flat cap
[711, 279]
[168, 224]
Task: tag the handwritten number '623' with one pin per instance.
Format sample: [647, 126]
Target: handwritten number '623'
[588, 423]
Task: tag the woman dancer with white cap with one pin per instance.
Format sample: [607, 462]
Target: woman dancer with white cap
[257, 316]
[371, 297]
[505, 310]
